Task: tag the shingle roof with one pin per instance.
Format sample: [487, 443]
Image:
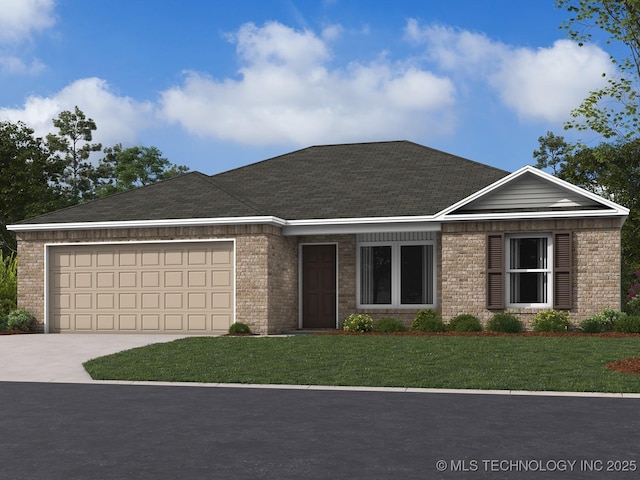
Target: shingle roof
[381, 179]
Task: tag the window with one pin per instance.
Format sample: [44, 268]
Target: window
[529, 271]
[396, 274]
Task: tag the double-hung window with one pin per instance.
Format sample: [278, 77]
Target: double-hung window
[529, 268]
[396, 274]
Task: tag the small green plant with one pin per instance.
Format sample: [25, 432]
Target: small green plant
[388, 325]
[505, 323]
[3, 322]
[358, 322]
[239, 328]
[465, 322]
[551, 321]
[627, 324]
[632, 307]
[602, 322]
[21, 320]
[428, 320]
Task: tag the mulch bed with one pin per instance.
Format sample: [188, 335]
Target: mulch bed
[628, 365]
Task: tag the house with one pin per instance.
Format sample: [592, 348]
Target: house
[304, 239]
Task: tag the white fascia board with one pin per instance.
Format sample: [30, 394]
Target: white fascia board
[533, 215]
[616, 209]
[332, 226]
[188, 222]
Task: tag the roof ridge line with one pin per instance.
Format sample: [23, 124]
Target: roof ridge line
[211, 180]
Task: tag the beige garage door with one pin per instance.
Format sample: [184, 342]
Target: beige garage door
[162, 287]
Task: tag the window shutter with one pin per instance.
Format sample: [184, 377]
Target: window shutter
[495, 271]
[562, 275]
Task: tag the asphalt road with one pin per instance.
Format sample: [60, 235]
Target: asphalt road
[91, 431]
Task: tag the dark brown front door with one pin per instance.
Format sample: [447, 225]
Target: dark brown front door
[319, 286]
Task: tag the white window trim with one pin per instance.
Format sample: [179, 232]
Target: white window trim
[395, 274]
[548, 270]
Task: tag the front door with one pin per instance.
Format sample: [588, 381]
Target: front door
[319, 286]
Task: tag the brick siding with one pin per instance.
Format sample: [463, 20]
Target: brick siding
[596, 265]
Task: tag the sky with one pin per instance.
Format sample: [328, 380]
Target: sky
[217, 84]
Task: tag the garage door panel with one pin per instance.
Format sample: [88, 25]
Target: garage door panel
[182, 287]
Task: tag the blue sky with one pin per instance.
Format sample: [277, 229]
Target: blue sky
[215, 85]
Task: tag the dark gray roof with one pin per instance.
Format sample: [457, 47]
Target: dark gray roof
[379, 179]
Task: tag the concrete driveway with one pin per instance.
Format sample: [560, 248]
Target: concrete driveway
[59, 358]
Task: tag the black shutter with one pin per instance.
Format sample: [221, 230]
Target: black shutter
[495, 271]
[562, 275]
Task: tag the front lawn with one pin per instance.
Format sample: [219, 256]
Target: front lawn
[563, 363]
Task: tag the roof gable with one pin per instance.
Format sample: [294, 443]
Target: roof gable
[531, 191]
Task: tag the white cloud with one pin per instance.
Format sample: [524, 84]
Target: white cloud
[549, 82]
[15, 65]
[119, 119]
[19, 18]
[542, 84]
[287, 93]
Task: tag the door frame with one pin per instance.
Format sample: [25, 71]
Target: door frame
[300, 281]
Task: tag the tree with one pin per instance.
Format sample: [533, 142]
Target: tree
[28, 180]
[72, 145]
[611, 170]
[126, 168]
[613, 110]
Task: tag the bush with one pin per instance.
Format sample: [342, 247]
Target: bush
[505, 323]
[3, 322]
[428, 321]
[239, 328]
[602, 322]
[627, 324]
[20, 320]
[632, 307]
[551, 321]
[389, 325]
[465, 323]
[358, 322]
[8, 283]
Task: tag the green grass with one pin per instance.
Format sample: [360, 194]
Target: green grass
[473, 362]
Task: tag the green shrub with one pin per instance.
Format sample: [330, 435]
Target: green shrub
[505, 323]
[3, 322]
[8, 283]
[627, 324]
[21, 320]
[388, 325]
[358, 322]
[551, 321]
[239, 328]
[602, 322]
[428, 321]
[632, 307]
[465, 323]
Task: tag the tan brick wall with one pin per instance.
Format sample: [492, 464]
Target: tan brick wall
[262, 254]
[596, 265]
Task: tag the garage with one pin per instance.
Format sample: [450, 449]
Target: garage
[172, 287]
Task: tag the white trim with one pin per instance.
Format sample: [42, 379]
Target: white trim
[300, 280]
[615, 209]
[47, 246]
[548, 271]
[188, 222]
